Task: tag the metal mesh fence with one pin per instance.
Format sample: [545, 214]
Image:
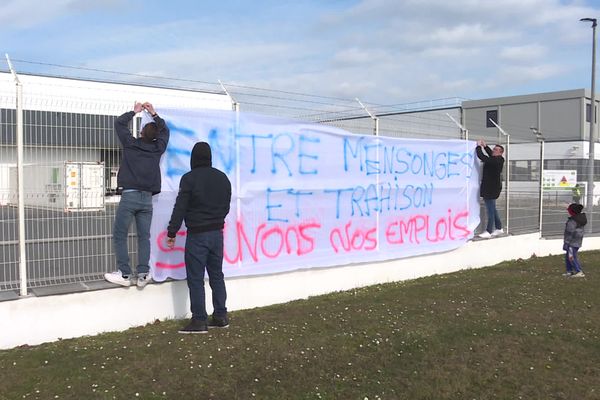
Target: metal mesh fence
[69, 143]
[68, 148]
[9, 271]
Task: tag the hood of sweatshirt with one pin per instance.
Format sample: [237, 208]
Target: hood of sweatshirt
[201, 155]
[580, 219]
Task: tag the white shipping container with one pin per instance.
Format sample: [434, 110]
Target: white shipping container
[67, 186]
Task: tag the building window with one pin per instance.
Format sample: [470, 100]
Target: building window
[491, 115]
[588, 108]
[554, 164]
[520, 170]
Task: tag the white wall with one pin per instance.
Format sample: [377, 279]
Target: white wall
[35, 320]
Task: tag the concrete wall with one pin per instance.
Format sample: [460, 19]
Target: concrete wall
[560, 119]
[35, 320]
[518, 118]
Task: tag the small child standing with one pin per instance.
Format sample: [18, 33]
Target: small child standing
[572, 239]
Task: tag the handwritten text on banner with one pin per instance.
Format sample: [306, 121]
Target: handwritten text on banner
[308, 195]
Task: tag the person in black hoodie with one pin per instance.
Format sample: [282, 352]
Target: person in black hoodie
[138, 180]
[573, 239]
[491, 185]
[203, 202]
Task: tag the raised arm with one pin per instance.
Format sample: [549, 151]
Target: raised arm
[480, 154]
[162, 138]
[480, 144]
[122, 124]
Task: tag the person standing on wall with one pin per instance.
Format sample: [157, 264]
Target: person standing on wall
[491, 185]
[203, 202]
[138, 180]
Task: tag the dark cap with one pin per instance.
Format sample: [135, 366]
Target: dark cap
[575, 208]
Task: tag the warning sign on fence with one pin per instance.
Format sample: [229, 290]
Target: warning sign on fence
[555, 179]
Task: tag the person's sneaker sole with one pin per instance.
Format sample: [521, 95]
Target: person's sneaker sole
[218, 327]
[191, 332]
[125, 283]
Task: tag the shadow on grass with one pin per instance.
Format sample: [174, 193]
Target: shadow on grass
[515, 330]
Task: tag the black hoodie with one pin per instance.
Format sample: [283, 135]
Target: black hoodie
[204, 195]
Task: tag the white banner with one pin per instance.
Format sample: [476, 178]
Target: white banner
[309, 195]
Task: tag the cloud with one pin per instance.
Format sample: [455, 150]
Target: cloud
[467, 33]
[358, 57]
[514, 75]
[457, 46]
[525, 53]
[242, 61]
[380, 50]
[22, 14]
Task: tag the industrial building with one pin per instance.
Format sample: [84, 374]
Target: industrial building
[561, 118]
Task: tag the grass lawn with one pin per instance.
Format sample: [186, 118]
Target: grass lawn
[518, 330]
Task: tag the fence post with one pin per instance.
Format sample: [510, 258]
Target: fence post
[507, 169]
[375, 119]
[20, 182]
[541, 184]
[235, 107]
[540, 138]
[507, 158]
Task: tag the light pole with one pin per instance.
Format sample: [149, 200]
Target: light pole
[590, 181]
[540, 139]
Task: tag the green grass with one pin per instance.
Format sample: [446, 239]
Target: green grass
[518, 330]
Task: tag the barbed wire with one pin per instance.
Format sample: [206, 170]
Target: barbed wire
[419, 115]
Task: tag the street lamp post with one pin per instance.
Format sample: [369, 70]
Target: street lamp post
[590, 184]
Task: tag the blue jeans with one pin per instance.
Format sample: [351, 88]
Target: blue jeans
[493, 218]
[204, 251]
[572, 266]
[136, 205]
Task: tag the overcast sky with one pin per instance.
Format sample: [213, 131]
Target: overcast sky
[383, 51]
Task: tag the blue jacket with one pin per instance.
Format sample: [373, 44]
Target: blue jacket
[140, 168]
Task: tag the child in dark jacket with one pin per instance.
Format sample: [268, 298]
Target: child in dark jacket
[572, 239]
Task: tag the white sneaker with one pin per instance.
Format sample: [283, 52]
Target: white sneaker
[117, 278]
[143, 280]
[485, 235]
[567, 274]
[498, 232]
[578, 275]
